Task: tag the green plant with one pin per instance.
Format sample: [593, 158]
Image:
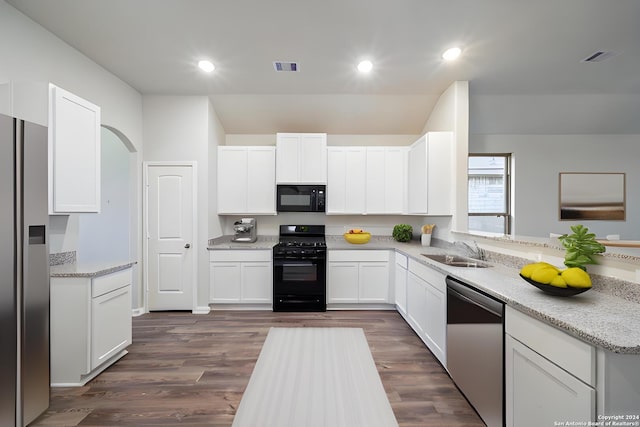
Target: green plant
[402, 232]
[581, 246]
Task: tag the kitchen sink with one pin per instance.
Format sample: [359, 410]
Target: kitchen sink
[457, 261]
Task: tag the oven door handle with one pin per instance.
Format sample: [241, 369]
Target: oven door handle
[283, 263]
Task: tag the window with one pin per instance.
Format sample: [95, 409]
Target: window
[489, 189]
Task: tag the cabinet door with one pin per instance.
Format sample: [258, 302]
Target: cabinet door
[354, 184]
[373, 282]
[256, 282]
[436, 321]
[261, 177]
[287, 146]
[336, 180]
[342, 283]
[346, 180]
[110, 325]
[225, 282]
[232, 180]
[394, 186]
[439, 171]
[539, 393]
[74, 154]
[416, 304]
[400, 283]
[417, 194]
[376, 181]
[313, 159]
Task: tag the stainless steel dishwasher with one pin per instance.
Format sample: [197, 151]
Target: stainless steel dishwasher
[475, 348]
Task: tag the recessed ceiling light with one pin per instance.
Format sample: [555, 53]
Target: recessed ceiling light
[452, 53]
[365, 66]
[206, 66]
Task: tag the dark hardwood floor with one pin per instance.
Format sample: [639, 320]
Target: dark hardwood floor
[185, 369]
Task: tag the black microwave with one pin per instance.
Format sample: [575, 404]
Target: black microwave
[300, 198]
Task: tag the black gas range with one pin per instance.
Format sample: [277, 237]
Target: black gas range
[299, 269]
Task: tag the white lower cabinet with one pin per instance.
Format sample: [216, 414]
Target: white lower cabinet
[90, 325]
[400, 283]
[241, 277]
[427, 307]
[539, 392]
[549, 375]
[358, 277]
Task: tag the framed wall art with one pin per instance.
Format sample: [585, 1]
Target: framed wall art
[592, 196]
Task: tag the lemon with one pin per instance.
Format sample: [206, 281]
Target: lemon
[527, 270]
[545, 274]
[558, 282]
[576, 277]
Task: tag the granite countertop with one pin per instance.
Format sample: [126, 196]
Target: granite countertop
[601, 319]
[225, 243]
[606, 321]
[89, 270]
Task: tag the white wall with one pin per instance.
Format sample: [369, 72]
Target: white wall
[336, 225]
[177, 128]
[555, 114]
[31, 53]
[538, 159]
[216, 137]
[107, 236]
[451, 113]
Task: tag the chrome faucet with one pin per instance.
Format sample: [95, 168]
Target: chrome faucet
[474, 251]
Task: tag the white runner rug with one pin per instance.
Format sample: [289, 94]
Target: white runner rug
[315, 377]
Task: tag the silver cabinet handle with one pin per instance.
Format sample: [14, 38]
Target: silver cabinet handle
[187, 246]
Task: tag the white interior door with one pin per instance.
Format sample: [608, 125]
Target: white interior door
[170, 223]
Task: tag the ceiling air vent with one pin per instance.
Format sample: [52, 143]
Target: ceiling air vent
[285, 66]
[599, 56]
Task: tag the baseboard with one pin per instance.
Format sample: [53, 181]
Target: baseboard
[84, 379]
[358, 306]
[204, 309]
[242, 307]
[138, 312]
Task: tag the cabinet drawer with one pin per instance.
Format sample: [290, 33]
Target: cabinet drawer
[240, 255]
[433, 277]
[358, 255]
[103, 284]
[402, 260]
[571, 354]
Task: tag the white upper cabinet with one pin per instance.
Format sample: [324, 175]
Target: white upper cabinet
[386, 172]
[366, 180]
[74, 154]
[430, 175]
[74, 141]
[246, 180]
[301, 158]
[346, 167]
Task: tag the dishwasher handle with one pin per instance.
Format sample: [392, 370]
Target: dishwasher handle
[469, 294]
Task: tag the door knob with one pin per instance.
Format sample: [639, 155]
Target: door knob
[187, 246]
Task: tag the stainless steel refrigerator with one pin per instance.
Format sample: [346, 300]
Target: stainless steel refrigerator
[24, 272]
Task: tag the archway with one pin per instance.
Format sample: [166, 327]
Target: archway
[112, 235]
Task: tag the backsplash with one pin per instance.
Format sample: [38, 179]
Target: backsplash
[62, 258]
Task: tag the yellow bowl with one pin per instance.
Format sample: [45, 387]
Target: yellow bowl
[357, 238]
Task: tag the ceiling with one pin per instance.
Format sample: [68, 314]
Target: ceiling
[510, 47]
